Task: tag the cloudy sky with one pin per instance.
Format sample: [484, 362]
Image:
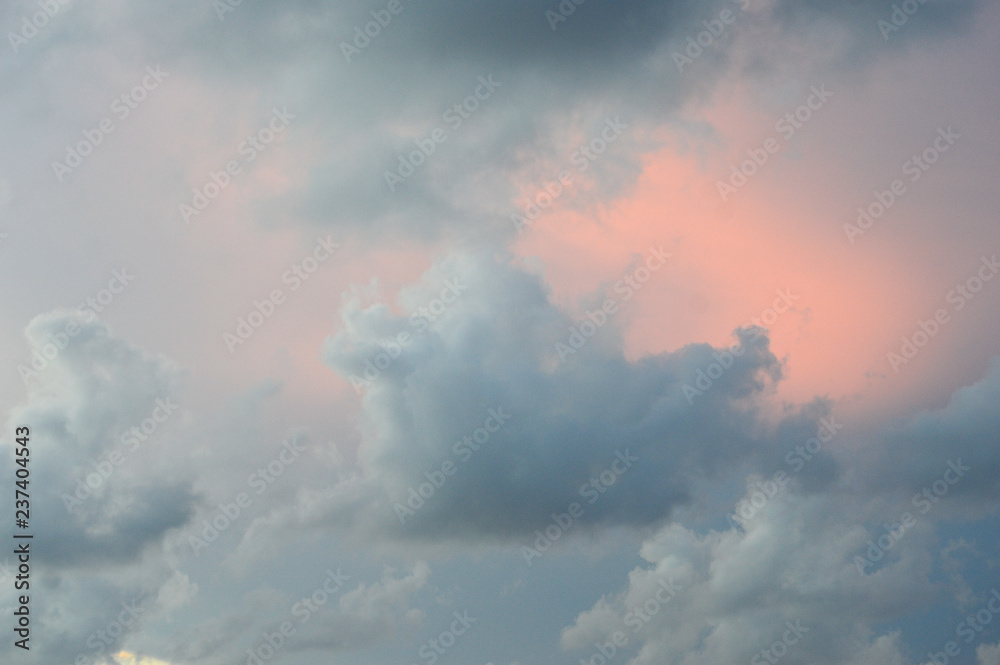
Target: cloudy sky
[502, 333]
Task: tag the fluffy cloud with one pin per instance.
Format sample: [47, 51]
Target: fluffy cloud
[99, 504]
[340, 614]
[369, 613]
[495, 347]
[835, 562]
[86, 390]
[126, 658]
[786, 583]
[487, 346]
[988, 654]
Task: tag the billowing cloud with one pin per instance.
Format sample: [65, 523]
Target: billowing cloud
[99, 509]
[558, 380]
[488, 408]
[814, 575]
[785, 584]
[340, 614]
[93, 400]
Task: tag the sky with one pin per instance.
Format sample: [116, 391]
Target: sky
[501, 333]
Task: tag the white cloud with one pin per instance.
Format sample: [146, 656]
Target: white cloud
[988, 654]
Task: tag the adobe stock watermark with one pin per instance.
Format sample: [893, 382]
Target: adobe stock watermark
[914, 167]
[223, 7]
[697, 44]
[958, 298]
[627, 287]
[419, 321]
[777, 649]
[705, 378]
[581, 159]
[260, 480]
[29, 28]
[102, 640]
[303, 610]
[294, 277]
[249, 148]
[463, 449]
[372, 29]
[122, 107]
[454, 117]
[591, 491]
[636, 618]
[899, 17]
[786, 126]
[566, 9]
[40, 358]
[795, 460]
[431, 650]
[923, 501]
[969, 628]
[130, 441]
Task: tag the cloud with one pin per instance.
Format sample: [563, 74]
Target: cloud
[217, 640]
[914, 452]
[81, 405]
[177, 592]
[492, 352]
[86, 389]
[339, 620]
[988, 654]
[575, 416]
[126, 658]
[788, 579]
[822, 558]
[558, 86]
[368, 614]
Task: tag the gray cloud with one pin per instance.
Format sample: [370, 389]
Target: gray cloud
[796, 556]
[87, 388]
[355, 119]
[496, 348]
[913, 453]
[737, 591]
[80, 404]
